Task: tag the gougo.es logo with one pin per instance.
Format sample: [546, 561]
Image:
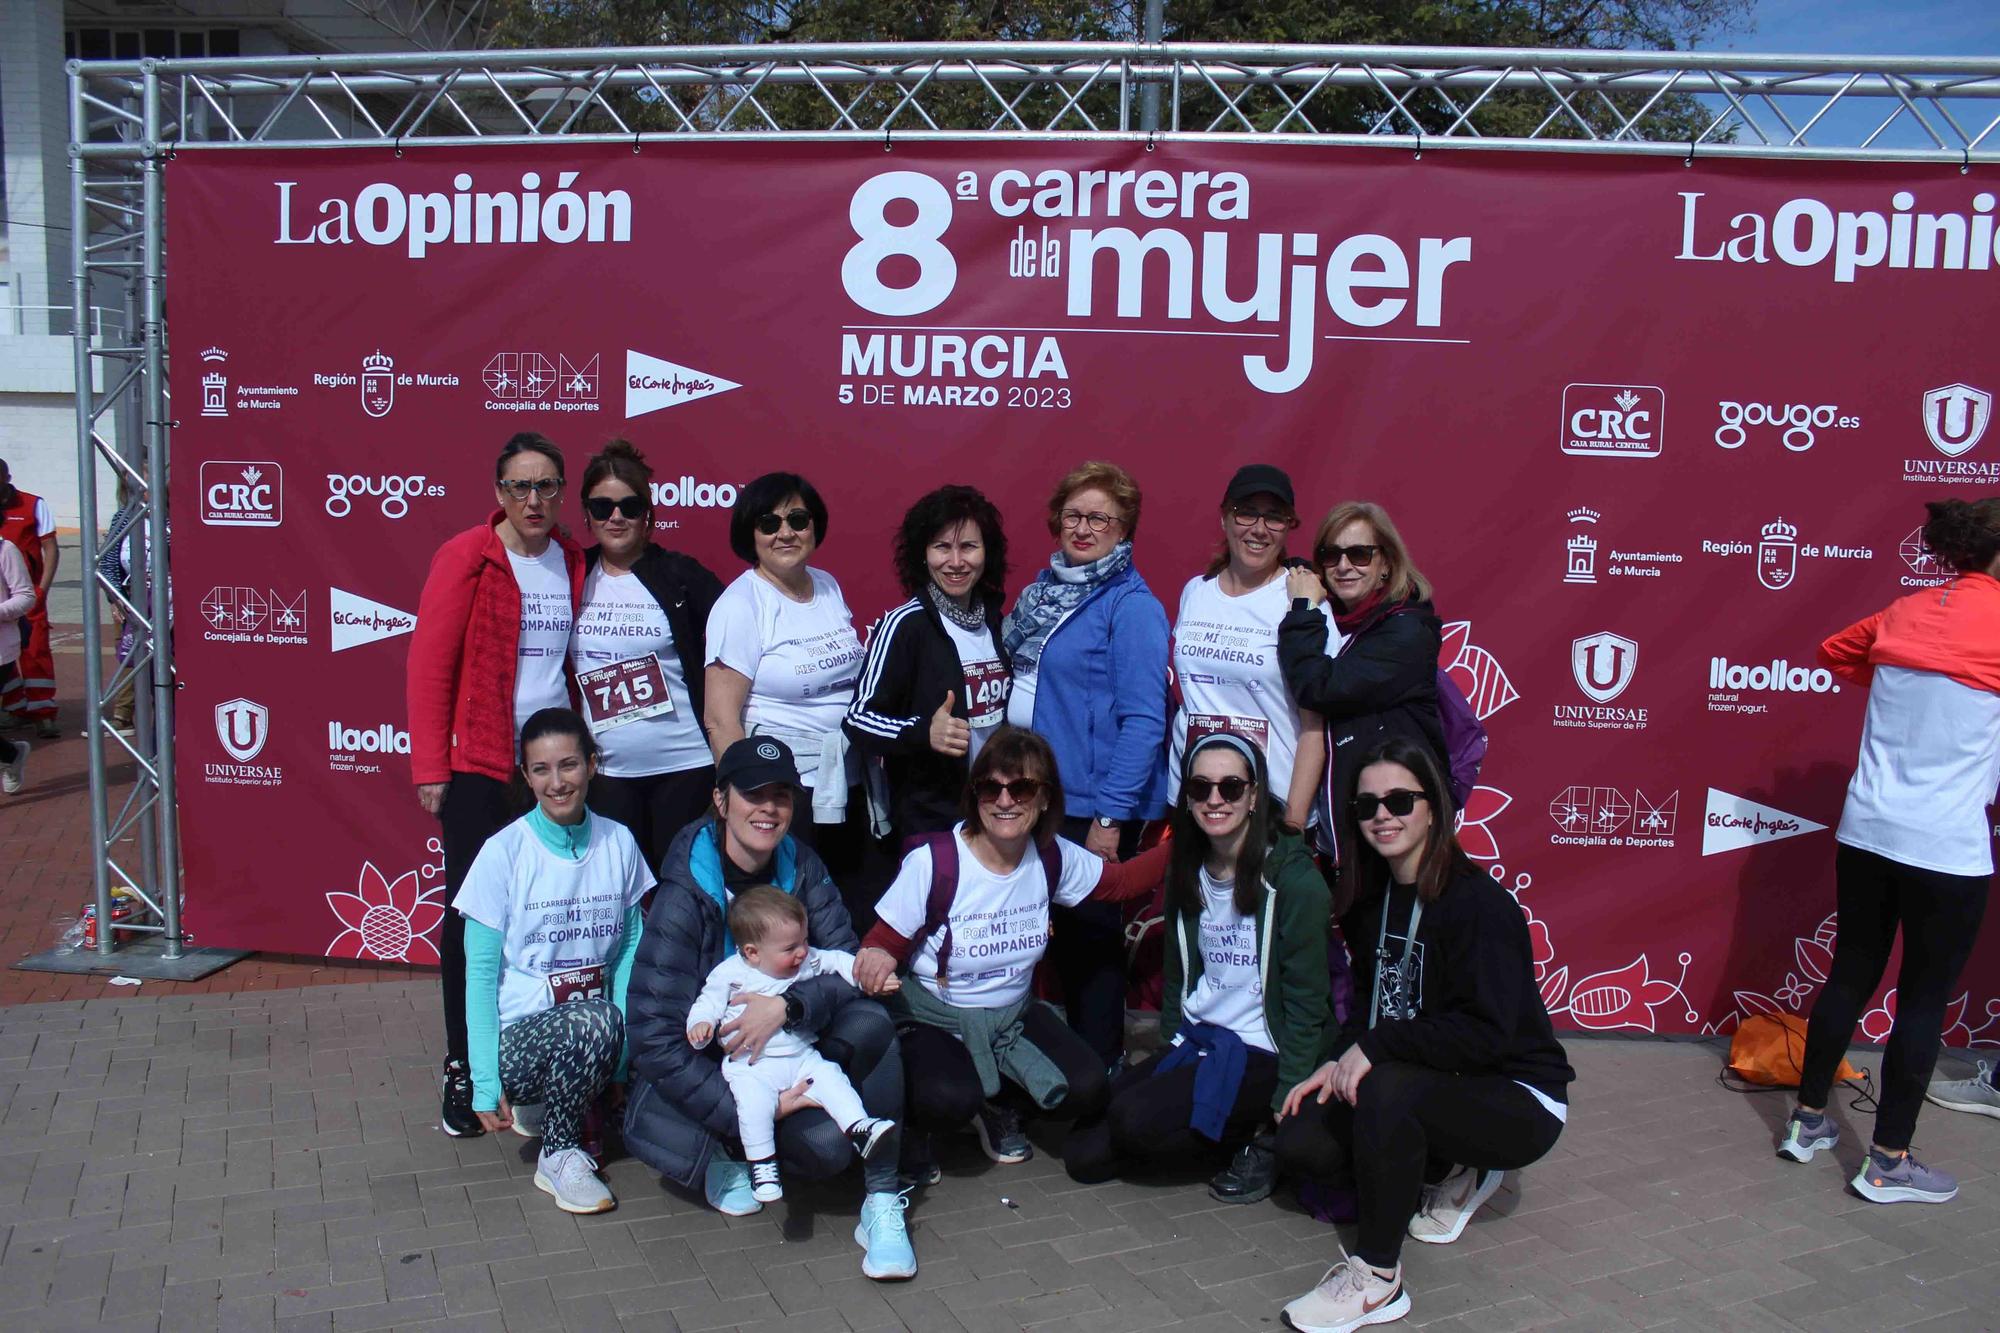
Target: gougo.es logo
[393, 492]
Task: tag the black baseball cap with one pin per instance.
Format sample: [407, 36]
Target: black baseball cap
[756, 761]
[1259, 479]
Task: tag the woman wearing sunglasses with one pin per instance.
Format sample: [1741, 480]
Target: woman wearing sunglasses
[783, 659]
[1088, 641]
[1247, 1001]
[493, 627]
[1382, 681]
[1447, 1073]
[638, 653]
[968, 917]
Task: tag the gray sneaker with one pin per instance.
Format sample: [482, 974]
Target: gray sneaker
[571, 1177]
[1902, 1180]
[1805, 1134]
[528, 1119]
[1000, 1134]
[1976, 1094]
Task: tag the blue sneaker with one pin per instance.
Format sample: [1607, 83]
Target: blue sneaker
[728, 1188]
[884, 1239]
[1902, 1180]
[1805, 1134]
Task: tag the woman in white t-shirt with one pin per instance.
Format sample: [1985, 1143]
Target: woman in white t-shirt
[968, 918]
[551, 911]
[639, 652]
[783, 659]
[1226, 646]
[1247, 1005]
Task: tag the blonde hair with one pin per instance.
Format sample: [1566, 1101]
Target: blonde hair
[1404, 579]
[1113, 480]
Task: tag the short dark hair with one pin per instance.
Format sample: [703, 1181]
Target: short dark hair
[755, 911]
[947, 507]
[528, 442]
[761, 497]
[1024, 753]
[1364, 871]
[620, 459]
[557, 722]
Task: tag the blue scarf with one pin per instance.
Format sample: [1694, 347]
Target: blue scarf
[1056, 591]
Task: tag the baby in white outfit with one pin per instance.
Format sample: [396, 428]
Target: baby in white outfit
[770, 930]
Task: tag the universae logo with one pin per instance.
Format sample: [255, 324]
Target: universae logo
[243, 726]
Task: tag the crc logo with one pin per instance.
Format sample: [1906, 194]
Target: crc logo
[687, 493]
[242, 726]
[1613, 420]
[1955, 417]
[1603, 664]
[1795, 422]
[236, 494]
[379, 739]
[393, 492]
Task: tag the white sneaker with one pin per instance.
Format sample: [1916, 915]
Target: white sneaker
[1448, 1205]
[1350, 1296]
[1976, 1094]
[571, 1177]
[13, 774]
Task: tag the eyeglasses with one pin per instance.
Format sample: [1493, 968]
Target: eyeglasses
[1232, 788]
[1359, 556]
[601, 507]
[1096, 522]
[1277, 520]
[1022, 790]
[546, 487]
[798, 520]
[1398, 803]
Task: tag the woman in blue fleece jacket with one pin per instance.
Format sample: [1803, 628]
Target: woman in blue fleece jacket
[551, 908]
[1088, 640]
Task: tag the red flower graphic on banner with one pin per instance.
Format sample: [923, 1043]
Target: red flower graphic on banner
[389, 921]
[1473, 832]
[1478, 676]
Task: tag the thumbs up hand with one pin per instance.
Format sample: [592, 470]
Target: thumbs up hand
[950, 735]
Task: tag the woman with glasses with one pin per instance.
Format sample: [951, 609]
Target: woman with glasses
[493, 629]
[935, 682]
[1247, 1006]
[1088, 641]
[783, 659]
[1226, 646]
[1447, 1073]
[968, 918]
[1382, 680]
[638, 652]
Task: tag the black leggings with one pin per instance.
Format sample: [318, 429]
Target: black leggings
[944, 1091]
[655, 807]
[1410, 1126]
[861, 1039]
[1087, 946]
[475, 808]
[1146, 1120]
[1939, 914]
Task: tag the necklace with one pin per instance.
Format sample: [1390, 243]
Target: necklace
[971, 617]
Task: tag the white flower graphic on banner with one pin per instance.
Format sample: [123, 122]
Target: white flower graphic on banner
[1474, 832]
[1623, 997]
[391, 921]
[1478, 676]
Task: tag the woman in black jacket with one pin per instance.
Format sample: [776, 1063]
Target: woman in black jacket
[936, 679]
[1382, 681]
[1448, 1072]
[637, 651]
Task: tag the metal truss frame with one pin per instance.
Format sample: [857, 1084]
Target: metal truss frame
[129, 117]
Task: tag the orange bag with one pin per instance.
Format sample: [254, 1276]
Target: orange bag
[1770, 1049]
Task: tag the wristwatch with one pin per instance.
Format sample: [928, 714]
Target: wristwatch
[795, 1011]
[1106, 822]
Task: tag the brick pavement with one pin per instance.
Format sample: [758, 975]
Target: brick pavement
[270, 1161]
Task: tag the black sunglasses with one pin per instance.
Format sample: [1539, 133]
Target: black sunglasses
[1398, 803]
[600, 507]
[798, 520]
[1022, 790]
[1232, 788]
[1359, 556]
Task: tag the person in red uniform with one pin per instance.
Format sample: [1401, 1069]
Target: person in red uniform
[25, 521]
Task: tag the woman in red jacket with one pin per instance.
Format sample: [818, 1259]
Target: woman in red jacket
[493, 629]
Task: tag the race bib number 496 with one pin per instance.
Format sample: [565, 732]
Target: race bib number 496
[624, 692]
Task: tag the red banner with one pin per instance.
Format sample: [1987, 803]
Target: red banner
[1652, 430]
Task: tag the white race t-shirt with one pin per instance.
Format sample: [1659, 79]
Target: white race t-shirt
[1930, 759]
[1226, 659]
[987, 683]
[1230, 993]
[802, 658]
[999, 925]
[545, 627]
[45, 520]
[621, 622]
[561, 917]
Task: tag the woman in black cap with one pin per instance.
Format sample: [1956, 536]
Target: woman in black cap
[1226, 645]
